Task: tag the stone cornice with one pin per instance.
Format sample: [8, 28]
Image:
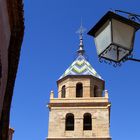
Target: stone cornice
[78, 138]
[87, 104]
[77, 76]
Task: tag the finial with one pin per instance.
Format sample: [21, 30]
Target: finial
[52, 94]
[106, 93]
[80, 31]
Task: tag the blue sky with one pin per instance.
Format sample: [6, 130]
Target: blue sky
[49, 47]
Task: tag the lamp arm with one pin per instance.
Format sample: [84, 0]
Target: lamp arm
[138, 18]
[131, 16]
[133, 59]
[128, 13]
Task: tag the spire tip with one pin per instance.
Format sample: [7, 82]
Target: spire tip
[80, 31]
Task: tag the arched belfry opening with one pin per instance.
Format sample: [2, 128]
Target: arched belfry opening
[96, 91]
[87, 122]
[69, 122]
[79, 90]
[63, 92]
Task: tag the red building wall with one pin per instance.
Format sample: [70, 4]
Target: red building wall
[11, 37]
[4, 44]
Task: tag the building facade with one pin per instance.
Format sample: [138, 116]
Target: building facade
[82, 109]
[11, 36]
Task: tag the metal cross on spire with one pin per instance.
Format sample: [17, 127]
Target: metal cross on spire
[80, 31]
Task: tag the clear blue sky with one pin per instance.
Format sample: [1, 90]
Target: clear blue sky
[49, 47]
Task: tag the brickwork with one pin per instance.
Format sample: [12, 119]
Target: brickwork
[100, 122]
[88, 86]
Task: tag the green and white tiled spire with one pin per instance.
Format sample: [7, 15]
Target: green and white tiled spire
[81, 66]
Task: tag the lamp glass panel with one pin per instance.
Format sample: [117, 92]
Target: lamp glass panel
[115, 53]
[111, 53]
[123, 34]
[103, 37]
[122, 53]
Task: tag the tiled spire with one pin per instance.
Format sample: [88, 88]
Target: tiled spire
[81, 66]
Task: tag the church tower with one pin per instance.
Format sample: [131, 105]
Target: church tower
[82, 109]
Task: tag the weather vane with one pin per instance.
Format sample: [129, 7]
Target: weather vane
[81, 30]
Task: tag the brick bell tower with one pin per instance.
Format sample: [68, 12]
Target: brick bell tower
[82, 109]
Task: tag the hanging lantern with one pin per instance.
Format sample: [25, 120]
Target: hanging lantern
[114, 36]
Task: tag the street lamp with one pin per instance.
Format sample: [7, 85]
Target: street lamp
[114, 37]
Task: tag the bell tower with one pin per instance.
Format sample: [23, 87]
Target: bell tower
[82, 109]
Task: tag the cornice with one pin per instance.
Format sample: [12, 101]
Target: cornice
[93, 104]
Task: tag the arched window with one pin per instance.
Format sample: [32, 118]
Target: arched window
[79, 90]
[69, 122]
[87, 123]
[95, 91]
[92, 92]
[63, 92]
